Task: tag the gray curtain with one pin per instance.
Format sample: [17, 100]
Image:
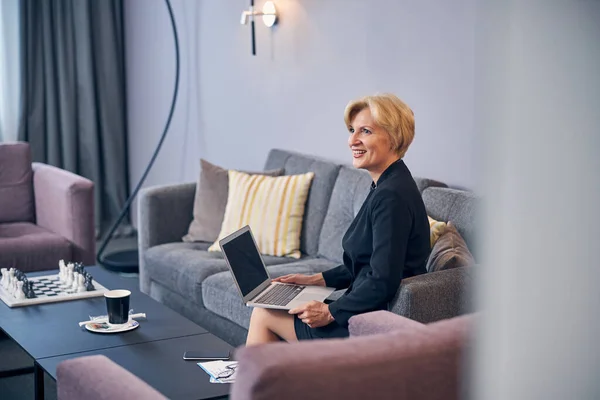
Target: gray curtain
[73, 93]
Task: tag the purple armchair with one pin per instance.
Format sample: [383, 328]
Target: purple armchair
[46, 214]
[387, 357]
[98, 378]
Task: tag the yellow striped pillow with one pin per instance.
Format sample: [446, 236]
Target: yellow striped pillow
[436, 228]
[272, 206]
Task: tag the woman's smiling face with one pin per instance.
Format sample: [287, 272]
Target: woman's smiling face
[370, 144]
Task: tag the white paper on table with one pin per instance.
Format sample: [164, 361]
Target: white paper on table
[215, 368]
[227, 380]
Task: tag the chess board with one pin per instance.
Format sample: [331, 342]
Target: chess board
[49, 289]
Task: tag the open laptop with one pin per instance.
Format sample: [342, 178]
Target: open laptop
[253, 281]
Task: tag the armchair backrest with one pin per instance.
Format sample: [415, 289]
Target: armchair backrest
[16, 183]
[99, 378]
[419, 363]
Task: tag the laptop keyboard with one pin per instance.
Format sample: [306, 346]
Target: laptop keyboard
[280, 295]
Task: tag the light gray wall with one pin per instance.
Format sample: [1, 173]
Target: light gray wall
[540, 96]
[234, 107]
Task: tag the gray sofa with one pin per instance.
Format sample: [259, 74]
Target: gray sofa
[197, 284]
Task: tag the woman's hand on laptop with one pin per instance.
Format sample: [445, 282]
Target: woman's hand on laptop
[301, 279]
[314, 314]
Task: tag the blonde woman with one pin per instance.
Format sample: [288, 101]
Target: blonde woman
[387, 241]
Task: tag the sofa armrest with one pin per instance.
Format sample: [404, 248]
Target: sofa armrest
[398, 365]
[64, 204]
[164, 216]
[98, 378]
[434, 296]
[378, 322]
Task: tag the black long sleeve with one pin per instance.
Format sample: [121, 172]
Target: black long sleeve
[387, 241]
[338, 277]
[391, 224]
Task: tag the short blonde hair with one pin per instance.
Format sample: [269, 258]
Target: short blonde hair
[389, 112]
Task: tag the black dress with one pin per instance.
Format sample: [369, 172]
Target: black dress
[387, 241]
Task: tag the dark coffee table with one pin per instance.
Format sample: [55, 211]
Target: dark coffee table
[50, 332]
[160, 364]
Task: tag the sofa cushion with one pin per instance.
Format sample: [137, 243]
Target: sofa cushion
[210, 201]
[30, 248]
[454, 205]
[272, 206]
[222, 297]
[182, 267]
[318, 197]
[16, 183]
[349, 193]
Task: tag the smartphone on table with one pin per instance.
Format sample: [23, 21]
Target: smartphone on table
[207, 355]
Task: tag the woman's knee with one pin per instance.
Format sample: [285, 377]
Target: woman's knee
[260, 315]
[267, 317]
[276, 321]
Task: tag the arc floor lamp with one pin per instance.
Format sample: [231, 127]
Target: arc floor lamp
[128, 260]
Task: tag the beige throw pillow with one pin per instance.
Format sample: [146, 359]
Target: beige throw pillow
[272, 206]
[210, 200]
[436, 228]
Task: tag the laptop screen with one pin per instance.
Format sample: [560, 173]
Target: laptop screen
[245, 262]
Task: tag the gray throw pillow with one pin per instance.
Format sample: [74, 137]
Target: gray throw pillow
[210, 201]
[449, 251]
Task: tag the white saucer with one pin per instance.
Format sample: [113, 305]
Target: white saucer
[105, 327]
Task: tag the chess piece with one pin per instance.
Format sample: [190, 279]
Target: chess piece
[19, 293]
[69, 280]
[4, 272]
[11, 278]
[81, 287]
[25, 284]
[89, 285]
[11, 286]
[30, 290]
[10, 281]
[61, 267]
[75, 282]
[79, 268]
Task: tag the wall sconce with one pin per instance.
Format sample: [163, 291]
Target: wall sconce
[269, 17]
